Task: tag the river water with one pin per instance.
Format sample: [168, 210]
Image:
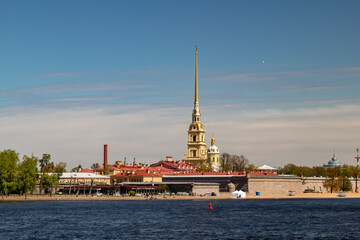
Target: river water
[177, 219]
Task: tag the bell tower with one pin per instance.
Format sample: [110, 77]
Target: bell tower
[214, 155]
[196, 152]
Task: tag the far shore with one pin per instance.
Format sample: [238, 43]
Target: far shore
[17, 198]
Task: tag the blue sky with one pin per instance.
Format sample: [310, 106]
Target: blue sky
[279, 80]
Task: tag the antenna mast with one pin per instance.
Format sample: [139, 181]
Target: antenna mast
[357, 157]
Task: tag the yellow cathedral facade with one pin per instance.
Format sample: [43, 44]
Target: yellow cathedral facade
[197, 153]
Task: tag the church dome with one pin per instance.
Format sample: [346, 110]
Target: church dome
[333, 162]
[196, 126]
[213, 149]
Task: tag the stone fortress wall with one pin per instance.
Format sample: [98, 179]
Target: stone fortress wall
[317, 184]
[274, 185]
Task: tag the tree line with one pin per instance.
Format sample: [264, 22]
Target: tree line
[337, 178]
[21, 176]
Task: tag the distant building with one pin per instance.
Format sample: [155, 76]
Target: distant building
[83, 178]
[120, 167]
[214, 155]
[135, 176]
[266, 168]
[334, 162]
[170, 166]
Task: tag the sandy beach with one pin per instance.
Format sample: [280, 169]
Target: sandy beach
[159, 197]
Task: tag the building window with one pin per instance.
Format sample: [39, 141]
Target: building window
[194, 153]
[194, 138]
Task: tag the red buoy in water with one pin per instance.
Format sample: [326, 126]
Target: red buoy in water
[210, 206]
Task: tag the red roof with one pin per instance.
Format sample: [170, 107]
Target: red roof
[174, 165]
[86, 170]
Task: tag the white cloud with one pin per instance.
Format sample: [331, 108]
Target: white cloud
[300, 136]
[275, 137]
[280, 75]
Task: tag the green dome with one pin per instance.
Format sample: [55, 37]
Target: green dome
[333, 162]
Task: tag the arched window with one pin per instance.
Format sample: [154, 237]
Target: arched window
[194, 138]
[194, 153]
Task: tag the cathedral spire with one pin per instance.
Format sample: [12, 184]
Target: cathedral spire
[196, 100]
[196, 112]
[196, 153]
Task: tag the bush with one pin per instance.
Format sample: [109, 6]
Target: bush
[132, 193]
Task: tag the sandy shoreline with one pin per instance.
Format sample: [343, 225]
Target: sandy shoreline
[16, 198]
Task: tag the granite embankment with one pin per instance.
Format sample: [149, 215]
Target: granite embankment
[159, 197]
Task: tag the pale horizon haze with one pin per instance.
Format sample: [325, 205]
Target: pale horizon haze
[278, 80]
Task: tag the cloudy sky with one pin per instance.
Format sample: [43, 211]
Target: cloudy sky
[279, 80]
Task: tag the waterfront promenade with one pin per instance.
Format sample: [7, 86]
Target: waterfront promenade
[160, 197]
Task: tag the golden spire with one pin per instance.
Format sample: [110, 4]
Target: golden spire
[196, 112]
[196, 100]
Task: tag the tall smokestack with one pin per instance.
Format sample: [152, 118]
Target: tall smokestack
[105, 156]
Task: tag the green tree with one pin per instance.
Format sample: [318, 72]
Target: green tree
[332, 180]
[60, 168]
[318, 171]
[49, 182]
[45, 167]
[345, 184]
[8, 171]
[45, 164]
[290, 169]
[77, 169]
[251, 168]
[108, 169]
[95, 166]
[27, 174]
[346, 171]
[355, 173]
[205, 166]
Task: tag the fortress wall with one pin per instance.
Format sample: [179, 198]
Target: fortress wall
[274, 185]
[316, 183]
[201, 189]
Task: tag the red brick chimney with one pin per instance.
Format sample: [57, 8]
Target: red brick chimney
[105, 156]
